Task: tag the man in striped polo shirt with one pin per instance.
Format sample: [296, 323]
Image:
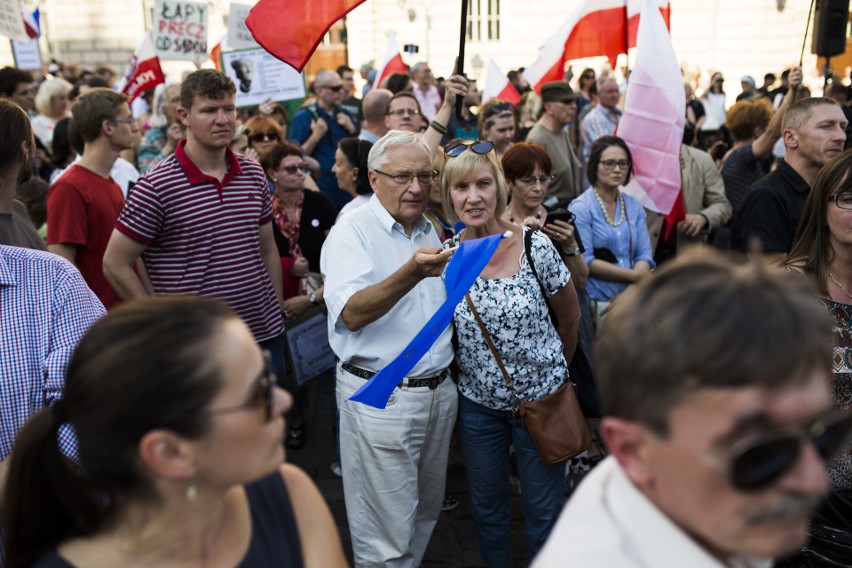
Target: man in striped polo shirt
[201, 220]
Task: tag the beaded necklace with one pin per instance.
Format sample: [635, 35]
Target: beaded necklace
[618, 198]
[537, 215]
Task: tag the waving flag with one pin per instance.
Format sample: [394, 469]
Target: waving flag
[391, 63]
[596, 27]
[498, 86]
[32, 22]
[464, 268]
[653, 119]
[292, 29]
[143, 72]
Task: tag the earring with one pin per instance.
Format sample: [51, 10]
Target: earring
[275, 180]
[191, 492]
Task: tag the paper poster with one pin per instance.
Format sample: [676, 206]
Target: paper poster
[11, 22]
[27, 55]
[259, 76]
[239, 36]
[309, 348]
[180, 30]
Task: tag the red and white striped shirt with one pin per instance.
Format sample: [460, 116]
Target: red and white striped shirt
[203, 236]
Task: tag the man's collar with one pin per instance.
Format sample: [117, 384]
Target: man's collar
[195, 175]
[388, 222]
[793, 177]
[7, 277]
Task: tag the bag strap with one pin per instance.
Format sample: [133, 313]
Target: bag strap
[528, 251]
[490, 343]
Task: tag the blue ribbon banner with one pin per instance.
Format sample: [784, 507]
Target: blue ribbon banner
[464, 268]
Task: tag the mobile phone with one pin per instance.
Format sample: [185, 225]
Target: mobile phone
[559, 215]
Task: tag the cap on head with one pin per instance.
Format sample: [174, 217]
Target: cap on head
[557, 91]
[748, 79]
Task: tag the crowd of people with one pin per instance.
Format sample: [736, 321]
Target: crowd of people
[154, 252]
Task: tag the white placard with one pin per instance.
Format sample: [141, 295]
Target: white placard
[11, 21]
[180, 30]
[259, 76]
[239, 36]
[309, 348]
[27, 55]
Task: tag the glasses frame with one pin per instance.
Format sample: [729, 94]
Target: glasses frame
[125, 120]
[270, 135]
[408, 179]
[335, 88]
[614, 164]
[498, 109]
[836, 196]
[401, 111]
[532, 181]
[292, 170]
[456, 149]
[268, 382]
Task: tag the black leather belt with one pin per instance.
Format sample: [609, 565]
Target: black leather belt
[431, 382]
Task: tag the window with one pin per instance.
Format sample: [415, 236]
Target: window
[483, 20]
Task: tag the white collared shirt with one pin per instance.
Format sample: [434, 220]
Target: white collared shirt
[609, 522]
[363, 249]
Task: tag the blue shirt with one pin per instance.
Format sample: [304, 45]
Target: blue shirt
[596, 232]
[45, 308]
[300, 130]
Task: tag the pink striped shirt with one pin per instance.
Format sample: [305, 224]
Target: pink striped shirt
[203, 236]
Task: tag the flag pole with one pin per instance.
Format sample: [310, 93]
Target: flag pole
[626, 42]
[460, 60]
[805, 39]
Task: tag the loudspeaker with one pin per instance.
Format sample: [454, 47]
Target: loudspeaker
[830, 20]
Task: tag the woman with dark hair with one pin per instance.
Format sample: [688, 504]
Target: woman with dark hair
[611, 224]
[585, 83]
[178, 427]
[264, 134]
[350, 168]
[398, 82]
[822, 250]
[63, 152]
[497, 125]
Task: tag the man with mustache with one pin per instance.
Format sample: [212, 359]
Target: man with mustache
[814, 131]
[718, 417]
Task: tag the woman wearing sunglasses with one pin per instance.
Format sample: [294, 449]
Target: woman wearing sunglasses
[497, 125]
[179, 430]
[822, 250]
[585, 84]
[510, 301]
[611, 225]
[265, 133]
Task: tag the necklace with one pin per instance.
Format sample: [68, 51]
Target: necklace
[839, 285]
[619, 198]
[537, 215]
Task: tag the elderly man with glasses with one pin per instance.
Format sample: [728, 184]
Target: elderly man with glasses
[719, 418]
[381, 265]
[319, 128]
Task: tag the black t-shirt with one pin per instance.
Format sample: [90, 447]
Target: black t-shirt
[771, 211]
[318, 216]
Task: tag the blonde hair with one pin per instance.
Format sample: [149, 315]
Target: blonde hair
[47, 90]
[462, 165]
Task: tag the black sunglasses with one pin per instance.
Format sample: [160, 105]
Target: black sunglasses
[498, 109]
[455, 149]
[264, 394]
[260, 136]
[336, 88]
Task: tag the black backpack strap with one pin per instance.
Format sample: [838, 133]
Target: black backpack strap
[528, 251]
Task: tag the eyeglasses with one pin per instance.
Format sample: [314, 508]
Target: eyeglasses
[610, 165]
[292, 170]
[498, 108]
[125, 120]
[587, 77]
[402, 111]
[759, 463]
[270, 135]
[264, 395]
[842, 200]
[425, 178]
[532, 180]
[455, 149]
[335, 88]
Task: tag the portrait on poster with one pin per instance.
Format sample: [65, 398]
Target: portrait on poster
[259, 76]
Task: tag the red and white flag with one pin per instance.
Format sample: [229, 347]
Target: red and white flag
[143, 72]
[292, 29]
[595, 28]
[498, 86]
[391, 63]
[654, 115]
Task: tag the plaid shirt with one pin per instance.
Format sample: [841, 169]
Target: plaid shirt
[45, 308]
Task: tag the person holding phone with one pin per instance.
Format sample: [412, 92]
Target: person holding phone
[618, 247]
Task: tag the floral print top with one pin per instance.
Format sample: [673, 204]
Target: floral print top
[840, 467]
[517, 319]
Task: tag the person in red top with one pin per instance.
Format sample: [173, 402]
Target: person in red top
[83, 205]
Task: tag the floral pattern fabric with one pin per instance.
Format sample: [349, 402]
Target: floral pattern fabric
[840, 467]
[517, 319]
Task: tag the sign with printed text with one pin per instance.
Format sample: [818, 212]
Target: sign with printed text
[180, 30]
[239, 36]
[27, 55]
[259, 76]
[11, 22]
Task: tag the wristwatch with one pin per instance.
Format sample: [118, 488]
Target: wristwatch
[312, 298]
[575, 252]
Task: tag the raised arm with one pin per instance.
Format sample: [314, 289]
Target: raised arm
[456, 86]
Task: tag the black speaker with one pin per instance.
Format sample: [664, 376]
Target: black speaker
[830, 20]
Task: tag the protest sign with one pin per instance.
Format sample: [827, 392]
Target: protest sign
[27, 55]
[11, 22]
[180, 30]
[307, 340]
[259, 76]
[239, 36]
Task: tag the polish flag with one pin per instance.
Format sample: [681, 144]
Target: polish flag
[292, 29]
[391, 63]
[31, 22]
[498, 86]
[653, 119]
[595, 28]
[143, 72]
[216, 52]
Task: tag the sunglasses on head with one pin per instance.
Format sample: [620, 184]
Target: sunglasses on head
[292, 170]
[498, 108]
[264, 395]
[455, 149]
[270, 135]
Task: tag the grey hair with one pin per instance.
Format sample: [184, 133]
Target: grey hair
[158, 116]
[47, 90]
[394, 139]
